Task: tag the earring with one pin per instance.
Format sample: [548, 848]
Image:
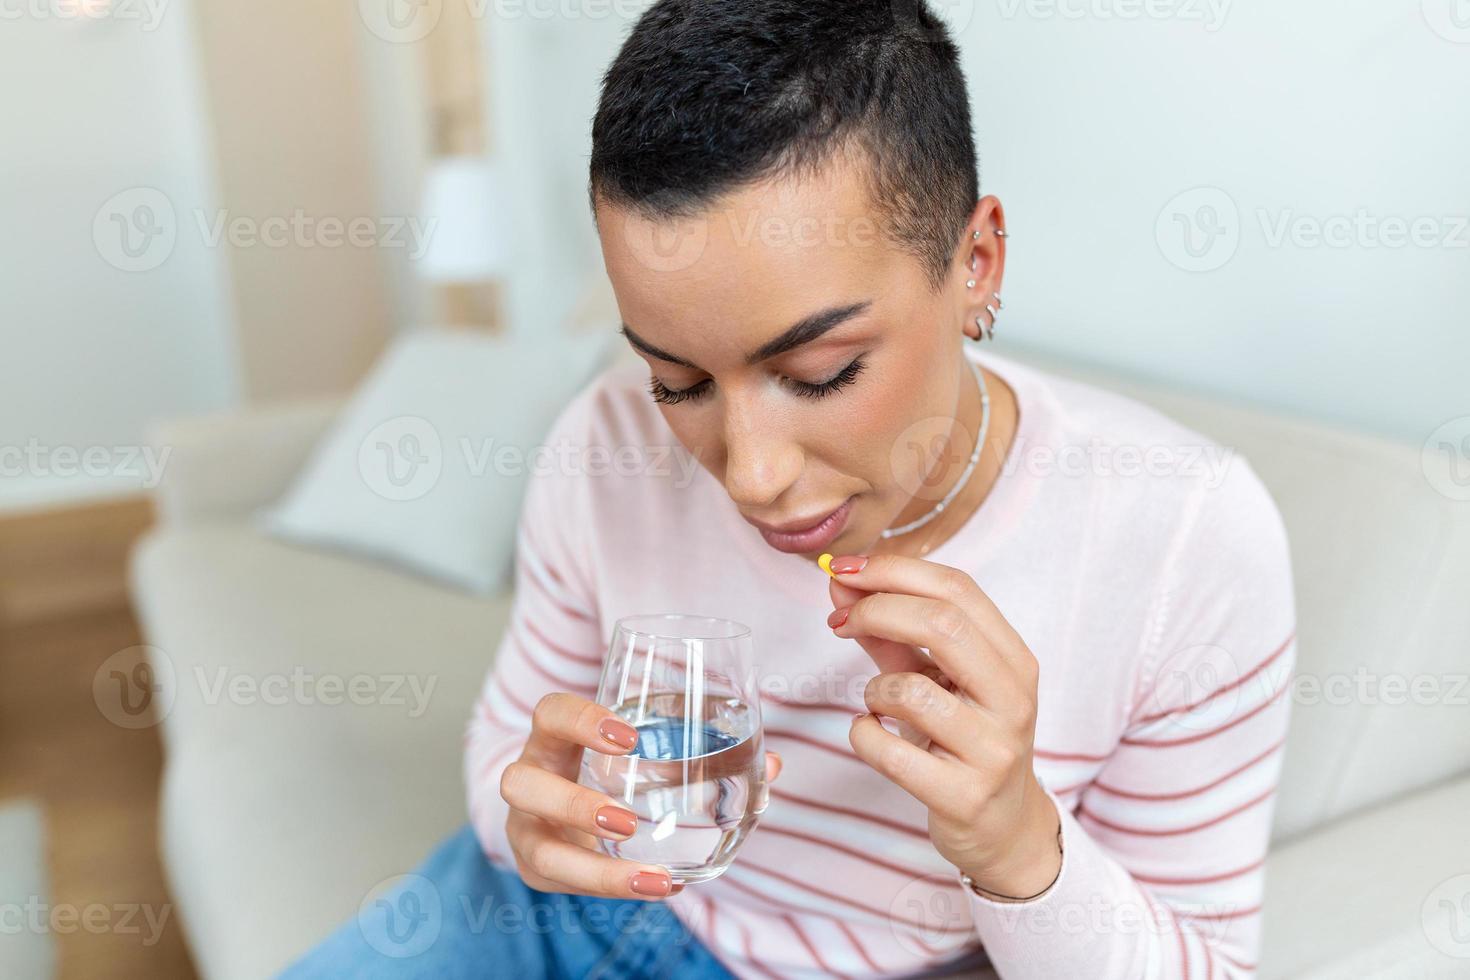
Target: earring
[969, 284]
[999, 233]
[998, 304]
[976, 236]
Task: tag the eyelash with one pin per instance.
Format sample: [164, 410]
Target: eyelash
[665, 395]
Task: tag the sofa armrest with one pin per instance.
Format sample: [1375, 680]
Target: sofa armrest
[1380, 893]
[222, 467]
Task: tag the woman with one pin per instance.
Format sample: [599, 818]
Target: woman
[1079, 783]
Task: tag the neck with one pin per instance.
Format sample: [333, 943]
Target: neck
[951, 465]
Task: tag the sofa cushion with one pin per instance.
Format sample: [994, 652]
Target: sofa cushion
[1385, 893]
[425, 466]
[287, 797]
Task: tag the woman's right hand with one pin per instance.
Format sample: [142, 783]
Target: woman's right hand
[554, 823]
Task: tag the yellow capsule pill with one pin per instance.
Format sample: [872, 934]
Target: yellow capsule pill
[825, 562]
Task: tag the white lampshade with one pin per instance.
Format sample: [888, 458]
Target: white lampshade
[465, 214]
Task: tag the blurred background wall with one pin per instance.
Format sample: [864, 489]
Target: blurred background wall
[94, 109]
[1259, 200]
[179, 182]
[1264, 201]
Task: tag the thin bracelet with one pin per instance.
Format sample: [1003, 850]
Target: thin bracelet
[969, 882]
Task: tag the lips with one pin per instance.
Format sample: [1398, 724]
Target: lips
[805, 536]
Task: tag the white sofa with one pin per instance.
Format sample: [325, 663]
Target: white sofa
[277, 820]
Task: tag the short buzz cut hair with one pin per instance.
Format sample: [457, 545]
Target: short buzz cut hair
[707, 96]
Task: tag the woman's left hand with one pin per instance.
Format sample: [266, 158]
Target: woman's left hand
[975, 701]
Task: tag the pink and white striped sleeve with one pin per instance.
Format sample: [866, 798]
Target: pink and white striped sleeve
[552, 640]
[1163, 859]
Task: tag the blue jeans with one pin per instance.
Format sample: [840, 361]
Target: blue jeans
[461, 916]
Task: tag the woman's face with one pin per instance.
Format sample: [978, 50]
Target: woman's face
[795, 351]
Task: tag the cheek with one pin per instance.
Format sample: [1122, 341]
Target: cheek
[700, 433]
[860, 432]
[889, 435]
[697, 435]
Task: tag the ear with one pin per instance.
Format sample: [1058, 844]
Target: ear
[982, 260]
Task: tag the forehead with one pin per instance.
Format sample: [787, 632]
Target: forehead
[757, 259]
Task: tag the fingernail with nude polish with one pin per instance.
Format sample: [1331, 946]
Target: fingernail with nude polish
[619, 733]
[651, 884]
[837, 617]
[848, 564]
[617, 820]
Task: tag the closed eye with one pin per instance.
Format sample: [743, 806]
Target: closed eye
[664, 395]
[839, 381]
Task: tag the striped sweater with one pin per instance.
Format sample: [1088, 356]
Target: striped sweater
[1146, 568]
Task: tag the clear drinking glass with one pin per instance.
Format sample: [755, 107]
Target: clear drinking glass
[697, 777]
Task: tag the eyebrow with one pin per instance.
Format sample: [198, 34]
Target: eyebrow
[803, 331]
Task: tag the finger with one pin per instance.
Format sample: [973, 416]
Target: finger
[773, 766]
[887, 655]
[542, 793]
[924, 776]
[924, 704]
[562, 725]
[916, 576]
[958, 648]
[542, 852]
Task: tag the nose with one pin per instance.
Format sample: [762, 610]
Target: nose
[762, 459]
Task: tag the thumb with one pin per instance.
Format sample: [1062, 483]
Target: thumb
[773, 766]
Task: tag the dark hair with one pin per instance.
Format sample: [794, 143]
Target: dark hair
[708, 95]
